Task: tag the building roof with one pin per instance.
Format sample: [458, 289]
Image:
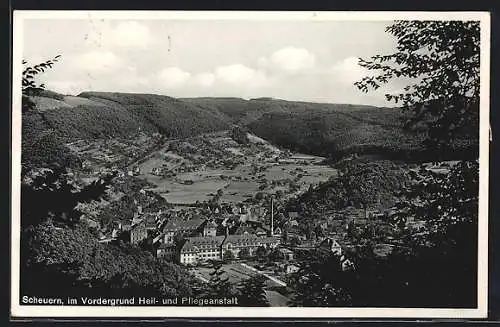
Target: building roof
[244, 229]
[178, 224]
[167, 246]
[250, 238]
[202, 242]
[212, 224]
[150, 220]
[242, 238]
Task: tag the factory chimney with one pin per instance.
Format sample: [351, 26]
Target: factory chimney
[272, 216]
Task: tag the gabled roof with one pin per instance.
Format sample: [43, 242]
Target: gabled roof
[167, 246]
[212, 224]
[178, 224]
[250, 238]
[202, 242]
[244, 229]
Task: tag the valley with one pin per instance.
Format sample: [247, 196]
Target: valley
[196, 169]
[258, 188]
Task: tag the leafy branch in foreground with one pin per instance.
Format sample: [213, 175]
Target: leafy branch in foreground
[441, 58]
[29, 86]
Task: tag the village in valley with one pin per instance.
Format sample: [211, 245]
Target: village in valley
[297, 173]
[219, 197]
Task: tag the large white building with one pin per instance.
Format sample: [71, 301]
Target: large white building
[235, 243]
[201, 248]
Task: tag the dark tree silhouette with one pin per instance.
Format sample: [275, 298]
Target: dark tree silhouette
[229, 255]
[219, 285]
[442, 60]
[320, 281]
[252, 292]
[244, 253]
[52, 194]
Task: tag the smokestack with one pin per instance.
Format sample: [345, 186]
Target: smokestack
[272, 216]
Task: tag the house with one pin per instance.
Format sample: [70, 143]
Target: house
[291, 268]
[210, 229]
[201, 248]
[126, 226]
[86, 164]
[151, 224]
[287, 254]
[260, 231]
[154, 220]
[189, 227]
[331, 245]
[158, 171]
[346, 264]
[242, 230]
[167, 251]
[293, 231]
[235, 243]
[138, 232]
[90, 222]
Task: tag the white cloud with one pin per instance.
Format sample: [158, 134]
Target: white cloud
[173, 77]
[205, 79]
[131, 34]
[348, 70]
[97, 61]
[239, 74]
[125, 34]
[291, 59]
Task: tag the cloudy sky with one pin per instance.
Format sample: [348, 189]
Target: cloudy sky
[293, 60]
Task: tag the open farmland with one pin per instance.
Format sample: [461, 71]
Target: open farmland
[195, 169]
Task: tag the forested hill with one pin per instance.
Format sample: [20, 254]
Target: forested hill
[331, 130]
[243, 112]
[101, 114]
[335, 130]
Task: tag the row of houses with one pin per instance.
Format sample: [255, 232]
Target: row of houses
[192, 241]
[199, 249]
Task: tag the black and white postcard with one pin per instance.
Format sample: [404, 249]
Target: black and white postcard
[250, 164]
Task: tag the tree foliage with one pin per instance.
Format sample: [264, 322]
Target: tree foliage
[251, 292]
[229, 255]
[219, 285]
[53, 194]
[29, 86]
[371, 183]
[433, 267]
[72, 259]
[244, 254]
[239, 134]
[320, 281]
[441, 58]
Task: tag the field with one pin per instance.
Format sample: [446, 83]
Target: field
[196, 169]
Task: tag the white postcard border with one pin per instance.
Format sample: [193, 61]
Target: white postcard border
[19, 311]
